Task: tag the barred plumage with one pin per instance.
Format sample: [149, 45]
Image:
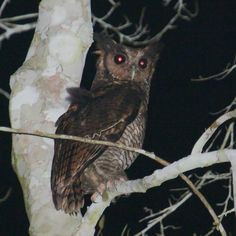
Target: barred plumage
[113, 110]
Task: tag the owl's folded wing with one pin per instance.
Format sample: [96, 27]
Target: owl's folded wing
[103, 118]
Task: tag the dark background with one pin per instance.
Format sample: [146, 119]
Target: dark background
[179, 111]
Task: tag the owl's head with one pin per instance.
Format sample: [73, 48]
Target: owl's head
[119, 62]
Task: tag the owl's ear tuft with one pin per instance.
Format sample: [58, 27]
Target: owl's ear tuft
[153, 50]
[104, 42]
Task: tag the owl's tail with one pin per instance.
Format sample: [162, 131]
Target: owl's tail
[70, 199]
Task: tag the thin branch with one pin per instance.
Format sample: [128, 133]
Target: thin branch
[228, 136]
[227, 212]
[18, 18]
[198, 147]
[158, 177]
[219, 76]
[141, 30]
[5, 93]
[11, 28]
[227, 108]
[15, 30]
[8, 193]
[226, 202]
[218, 132]
[181, 13]
[125, 231]
[162, 214]
[205, 202]
[5, 2]
[140, 151]
[81, 139]
[115, 5]
[201, 197]
[155, 218]
[209, 177]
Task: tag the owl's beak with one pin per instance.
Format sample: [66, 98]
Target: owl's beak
[133, 72]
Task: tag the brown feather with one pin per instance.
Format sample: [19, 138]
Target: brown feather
[113, 110]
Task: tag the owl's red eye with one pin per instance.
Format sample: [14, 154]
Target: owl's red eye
[119, 59]
[142, 63]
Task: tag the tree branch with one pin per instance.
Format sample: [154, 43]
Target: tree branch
[5, 93]
[137, 150]
[5, 2]
[211, 130]
[81, 139]
[219, 76]
[140, 35]
[8, 193]
[158, 177]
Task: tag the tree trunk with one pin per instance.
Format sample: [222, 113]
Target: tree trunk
[54, 62]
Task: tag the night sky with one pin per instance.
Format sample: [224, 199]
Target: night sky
[179, 111]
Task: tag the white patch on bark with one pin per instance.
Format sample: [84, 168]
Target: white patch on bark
[29, 95]
[58, 15]
[65, 46]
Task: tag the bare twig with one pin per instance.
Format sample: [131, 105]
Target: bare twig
[8, 193]
[81, 139]
[5, 93]
[137, 150]
[229, 135]
[209, 177]
[181, 13]
[227, 212]
[211, 130]
[5, 2]
[11, 28]
[140, 36]
[159, 176]
[18, 18]
[219, 76]
[228, 199]
[137, 34]
[227, 108]
[15, 30]
[161, 215]
[114, 5]
[156, 218]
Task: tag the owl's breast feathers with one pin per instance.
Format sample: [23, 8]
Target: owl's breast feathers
[103, 114]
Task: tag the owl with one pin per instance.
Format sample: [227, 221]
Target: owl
[114, 109]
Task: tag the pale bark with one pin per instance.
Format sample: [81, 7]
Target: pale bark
[54, 62]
